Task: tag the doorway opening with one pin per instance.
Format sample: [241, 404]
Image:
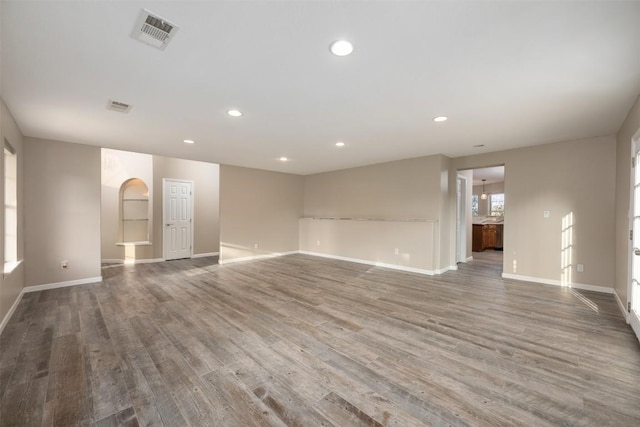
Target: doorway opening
[480, 211]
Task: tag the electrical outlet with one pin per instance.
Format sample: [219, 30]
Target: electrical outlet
[255, 246]
[546, 214]
[396, 251]
[64, 264]
[580, 268]
[318, 243]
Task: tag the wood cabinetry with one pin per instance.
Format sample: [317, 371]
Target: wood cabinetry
[487, 236]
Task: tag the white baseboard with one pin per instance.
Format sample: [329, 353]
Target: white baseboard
[48, 286]
[131, 261]
[152, 260]
[205, 255]
[447, 268]
[622, 306]
[256, 257]
[603, 289]
[44, 287]
[374, 263]
[469, 259]
[7, 316]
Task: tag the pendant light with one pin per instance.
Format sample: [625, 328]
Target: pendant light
[484, 194]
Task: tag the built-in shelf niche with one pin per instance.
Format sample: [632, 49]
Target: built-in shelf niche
[134, 212]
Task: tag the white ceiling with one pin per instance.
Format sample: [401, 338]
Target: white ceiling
[491, 175]
[508, 74]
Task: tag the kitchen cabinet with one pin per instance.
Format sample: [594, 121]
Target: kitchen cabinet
[487, 236]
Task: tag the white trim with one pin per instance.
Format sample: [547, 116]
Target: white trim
[7, 316]
[142, 261]
[144, 243]
[37, 288]
[469, 259]
[375, 263]
[447, 268]
[631, 317]
[461, 218]
[622, 307]
[256, 257]
[10, 267]
[132, 261]
[594, 288]
[634, 321]
[48, 286]
[205, 254]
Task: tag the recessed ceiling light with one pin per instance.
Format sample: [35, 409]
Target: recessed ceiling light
[341, 48]
[284, 159]
[234, 113]
[339, 144]
[440, 119]
[189, 141]
[478, 145]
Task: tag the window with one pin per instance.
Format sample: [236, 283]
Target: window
[496, 204]
[10, 205]
[474, 205]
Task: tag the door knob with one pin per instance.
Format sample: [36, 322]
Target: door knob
[168, 225]
[636, 251]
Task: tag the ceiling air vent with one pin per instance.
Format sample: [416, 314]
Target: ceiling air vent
[154, 30]
[118, 106]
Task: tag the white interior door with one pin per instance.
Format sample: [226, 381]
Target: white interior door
[177, 197]
[634, 288]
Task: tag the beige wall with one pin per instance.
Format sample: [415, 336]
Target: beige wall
[401, 190]
[206, 211]
[563, 178]
[405, 189]
[118, 167]
[374, 242]
[62, 211]
[11, 285]
[445, 256]
[412, 189]
[258, 207]
[628, 129]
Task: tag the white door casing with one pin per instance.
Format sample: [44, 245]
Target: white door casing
[633, 292]
[461, 219]
[177, 218]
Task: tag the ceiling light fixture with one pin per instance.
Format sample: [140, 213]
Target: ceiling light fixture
[189, 141]
[484, 194]
[339, 144]
[341, 48]
[284, 159]
[440, 119]
[234, 113]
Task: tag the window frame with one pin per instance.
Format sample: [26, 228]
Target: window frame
[10, 226]
[492, 211]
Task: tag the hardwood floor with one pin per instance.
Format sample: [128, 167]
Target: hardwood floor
[306, 341]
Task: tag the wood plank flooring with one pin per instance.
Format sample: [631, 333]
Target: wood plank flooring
[305, 341]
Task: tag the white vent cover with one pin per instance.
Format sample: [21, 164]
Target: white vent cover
[118, 106]
[154, 30]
